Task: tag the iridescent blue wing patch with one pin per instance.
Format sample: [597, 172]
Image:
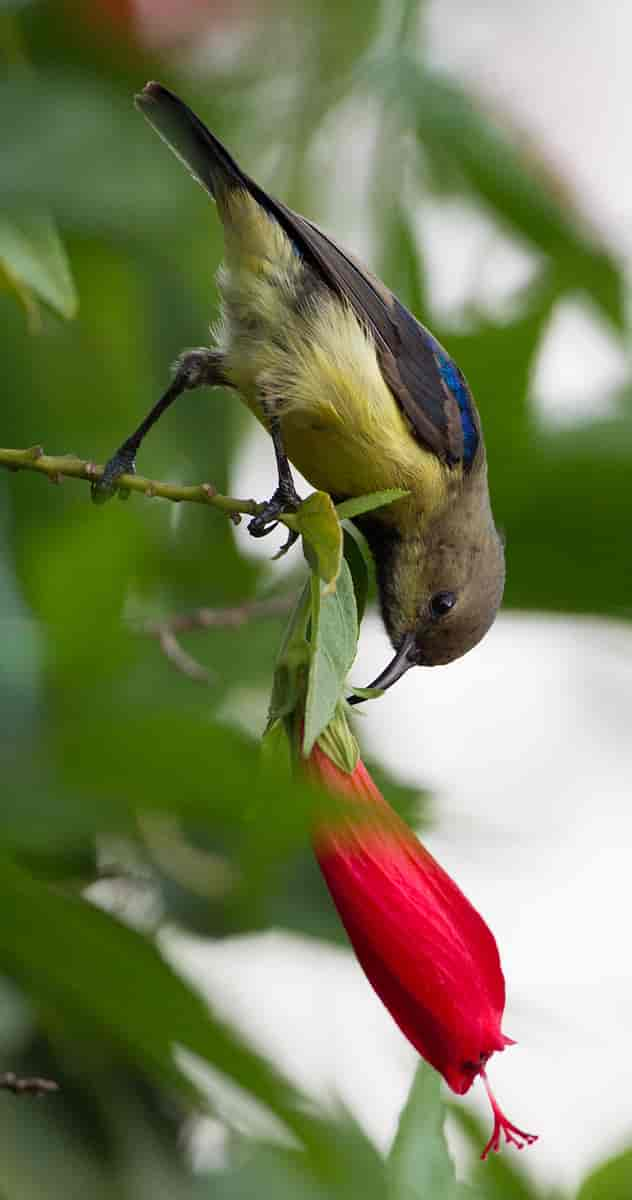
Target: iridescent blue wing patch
[456, 384]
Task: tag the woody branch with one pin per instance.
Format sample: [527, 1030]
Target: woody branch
[233, 617]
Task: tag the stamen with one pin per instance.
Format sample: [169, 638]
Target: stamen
[513, 1135]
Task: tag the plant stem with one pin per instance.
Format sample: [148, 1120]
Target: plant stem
[57, 467]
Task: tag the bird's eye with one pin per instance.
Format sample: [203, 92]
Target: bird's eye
[441, 603]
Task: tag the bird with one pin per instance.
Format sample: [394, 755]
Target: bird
[354, 391]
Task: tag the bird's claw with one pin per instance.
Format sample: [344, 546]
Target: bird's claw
[285, 499]
[121, 463]
[292, 537]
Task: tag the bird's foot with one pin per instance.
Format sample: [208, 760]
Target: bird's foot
[285, 499]
[121, 463]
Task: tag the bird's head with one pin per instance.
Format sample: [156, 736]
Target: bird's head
[440, 587]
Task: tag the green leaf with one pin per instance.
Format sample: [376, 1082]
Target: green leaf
[339, 743]
[275, 747]
[112, 983]
[419, 1165]
[33, 258]
[612, 1181]
[347, 1167]
[291, 660]
[356, 553]
[319, 525]
[95, 167]
[363, 504]
[368, 693]
[262, 1170]
[179, 764]
[333, 647]
[109, 989]
[458, 135]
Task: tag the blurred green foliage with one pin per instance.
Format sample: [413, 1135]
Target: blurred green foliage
[108, 754]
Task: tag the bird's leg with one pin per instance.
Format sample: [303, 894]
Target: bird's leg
[286, 497]
[194, 368]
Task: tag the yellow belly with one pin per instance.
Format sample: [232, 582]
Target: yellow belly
[316, 366]
[353, 457]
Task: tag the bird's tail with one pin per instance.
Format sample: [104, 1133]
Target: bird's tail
[204, 156]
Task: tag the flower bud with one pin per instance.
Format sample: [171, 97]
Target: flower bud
[426, 951]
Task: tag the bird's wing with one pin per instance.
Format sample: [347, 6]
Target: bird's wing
[424, 380]
[426, 383]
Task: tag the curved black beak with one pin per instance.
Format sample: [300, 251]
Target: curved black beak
[398, 666]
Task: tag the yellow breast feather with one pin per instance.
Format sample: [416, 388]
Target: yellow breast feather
[315, 364]
[341, 424]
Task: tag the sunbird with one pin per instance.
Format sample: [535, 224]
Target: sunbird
[354, 391]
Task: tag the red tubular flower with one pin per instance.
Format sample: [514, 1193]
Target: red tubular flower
[426, 951]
